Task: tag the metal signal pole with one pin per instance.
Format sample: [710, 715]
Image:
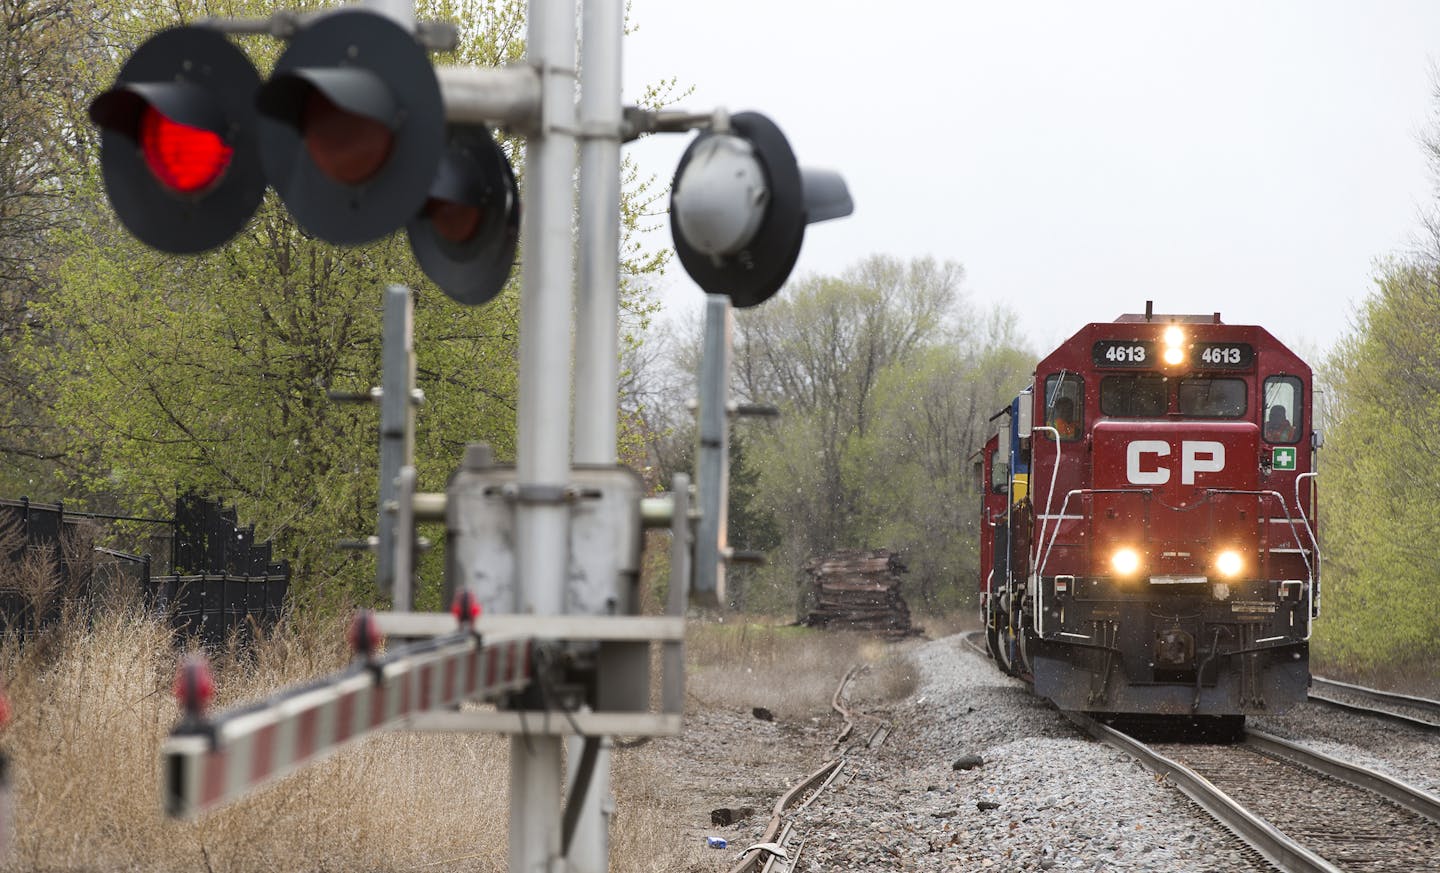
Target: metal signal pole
[597, 366]
[543, 456]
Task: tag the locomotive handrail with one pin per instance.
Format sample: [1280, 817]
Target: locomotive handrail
[1300, 547]
[1049, 492]
[1049, 547]
[1314, 543]
[1289, 520]
[1040, 566]
[1066, 504]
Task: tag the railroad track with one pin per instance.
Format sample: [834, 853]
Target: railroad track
[1301, 810]
[1416, 712]
[779, 849]
[976, 641]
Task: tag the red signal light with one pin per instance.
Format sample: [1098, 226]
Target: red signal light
[456, 222]
[185, 159]
[347, 147]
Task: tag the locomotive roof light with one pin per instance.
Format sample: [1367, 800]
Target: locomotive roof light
[1174, 354]
[1229, 563]
[1125, 561]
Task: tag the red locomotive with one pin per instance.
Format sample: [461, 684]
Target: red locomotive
[1148, 543]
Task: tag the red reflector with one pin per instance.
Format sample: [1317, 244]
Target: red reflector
[364, 634]
[194, 686]
[465, 608]
[454, 221]
[348, 148]
[185, 159]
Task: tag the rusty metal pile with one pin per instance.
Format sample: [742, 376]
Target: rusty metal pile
[858, 590]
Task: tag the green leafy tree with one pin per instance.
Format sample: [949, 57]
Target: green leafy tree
[1381, 463]
[1382, 466]
[884, 378]
[917, 466]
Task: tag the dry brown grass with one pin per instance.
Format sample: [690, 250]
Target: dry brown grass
[92, 705]
[792, 671]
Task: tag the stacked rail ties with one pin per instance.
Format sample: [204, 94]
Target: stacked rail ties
[858, 590]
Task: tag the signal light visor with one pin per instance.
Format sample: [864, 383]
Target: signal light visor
[187, 160]
[1125, 561]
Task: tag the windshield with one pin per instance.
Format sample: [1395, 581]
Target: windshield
[1141, 395]
[1206, 397]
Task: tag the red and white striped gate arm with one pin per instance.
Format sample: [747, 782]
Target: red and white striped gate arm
[212, 762]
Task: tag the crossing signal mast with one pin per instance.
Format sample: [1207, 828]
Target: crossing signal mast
[360, 135]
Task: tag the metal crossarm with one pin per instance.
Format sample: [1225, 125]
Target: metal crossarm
[212, 762]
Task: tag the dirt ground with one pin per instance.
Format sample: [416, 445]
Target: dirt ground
[727, 757]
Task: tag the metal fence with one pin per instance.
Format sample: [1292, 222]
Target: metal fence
[220, 581]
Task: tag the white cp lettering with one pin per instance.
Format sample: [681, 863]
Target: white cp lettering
[1196, 456]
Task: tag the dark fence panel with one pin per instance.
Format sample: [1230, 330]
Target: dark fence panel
[46, 566]
[222, 581]
[229, 582]
[215, 606]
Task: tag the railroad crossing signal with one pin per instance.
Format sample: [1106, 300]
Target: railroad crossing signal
[352, 127]
[350, 130]
[360, 135]
[739, 205]
[178, 144]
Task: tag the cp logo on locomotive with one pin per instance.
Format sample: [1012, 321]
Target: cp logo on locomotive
[1143, 467]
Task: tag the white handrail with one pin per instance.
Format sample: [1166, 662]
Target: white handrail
[1044, 520]
[1314, 543]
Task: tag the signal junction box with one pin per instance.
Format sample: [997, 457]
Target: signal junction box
[604, 527]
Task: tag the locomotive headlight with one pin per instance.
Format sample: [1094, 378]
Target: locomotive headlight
[1174, 353]
[1125, 561]
[1229, 563]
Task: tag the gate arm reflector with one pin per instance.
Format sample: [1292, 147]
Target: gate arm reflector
[209, 763]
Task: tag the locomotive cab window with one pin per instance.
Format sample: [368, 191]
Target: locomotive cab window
[1205, 397]
[1142, 395]
[999, 472]
[1283, 400]
[1065, 405]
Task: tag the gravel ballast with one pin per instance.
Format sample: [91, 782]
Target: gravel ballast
[1042, 797]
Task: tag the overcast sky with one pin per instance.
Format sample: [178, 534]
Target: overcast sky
[1079, 158]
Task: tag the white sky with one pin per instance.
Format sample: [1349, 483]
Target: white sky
[1079, 158]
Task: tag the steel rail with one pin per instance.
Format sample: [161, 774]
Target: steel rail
[752, 858]
[1414, 799]
[1272, 843]
[1375, 696]
[970, 638]
[760, 855]
[844, 711]
[1358, 709]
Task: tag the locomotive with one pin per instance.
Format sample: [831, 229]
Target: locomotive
[1149, 533]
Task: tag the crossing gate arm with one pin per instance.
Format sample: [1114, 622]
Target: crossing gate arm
[209, 763]
[626, 638]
